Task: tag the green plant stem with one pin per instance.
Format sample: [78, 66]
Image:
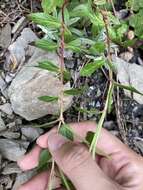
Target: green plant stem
[93, 145]
[64, 180]
[100, 124]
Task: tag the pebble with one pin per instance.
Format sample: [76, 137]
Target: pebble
[12, 149]
[2, 124]
[31, 133]
[6, 108]
[11, 168]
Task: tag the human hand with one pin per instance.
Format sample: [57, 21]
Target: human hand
[124, 171]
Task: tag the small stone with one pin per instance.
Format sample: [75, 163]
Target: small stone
[10, 135]
[2, 83]
[5, 36]
[6, 108]
[127, 56]
[110, 125]
[31, 133]
[11, 149]
[2, 124]
[130, 75]
[11, 168]
[122, 13]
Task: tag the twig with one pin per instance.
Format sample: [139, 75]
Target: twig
[61, 54]
[64, 180]
[50, 185]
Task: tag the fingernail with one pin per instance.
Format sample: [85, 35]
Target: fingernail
[55, 141]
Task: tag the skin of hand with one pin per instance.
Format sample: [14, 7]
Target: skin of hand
[124, 171]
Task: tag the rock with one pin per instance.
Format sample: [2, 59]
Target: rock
[31, 83]
[19, 49]
[5, 36]
[3, 87]
[139, 145]
[11, 168]
[122, 14]
[126, 56]
[130, 75]
[31, 133]
[2, 124]
[6, 181]
[6, 108]
[10, 135]
[11, 149]
[110, 125]
[22, 178]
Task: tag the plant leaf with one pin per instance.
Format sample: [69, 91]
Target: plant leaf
[45, 20]
[130, 88]
[48, 98]
[48, 65]
[74, 91]
[90, 68]
[46, 45]
[45, 156]
[67, 132]
[67, 75]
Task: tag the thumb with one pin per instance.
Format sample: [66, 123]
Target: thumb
[76, 162]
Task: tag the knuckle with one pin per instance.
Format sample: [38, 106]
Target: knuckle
[76, 157]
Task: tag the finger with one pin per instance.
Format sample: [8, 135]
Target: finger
[30, 160]
[76, 162]
[38, 182]
[107, 142]
[79, 128]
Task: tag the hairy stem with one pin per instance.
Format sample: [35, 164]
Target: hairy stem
[62, 65]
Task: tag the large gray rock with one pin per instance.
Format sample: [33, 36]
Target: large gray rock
[130, 74]
[31, 83]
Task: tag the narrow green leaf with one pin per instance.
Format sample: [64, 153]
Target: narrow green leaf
[48, 98]
[45, 20]
[130, 88]
[67, 132]
[82, 10]
[79, 44]
[89, 137]
[46, 45]
[73, 21]
[74, 91]
[48, 65]
[90, 68]
[98, 47]
[45, 157]
[67, 75]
